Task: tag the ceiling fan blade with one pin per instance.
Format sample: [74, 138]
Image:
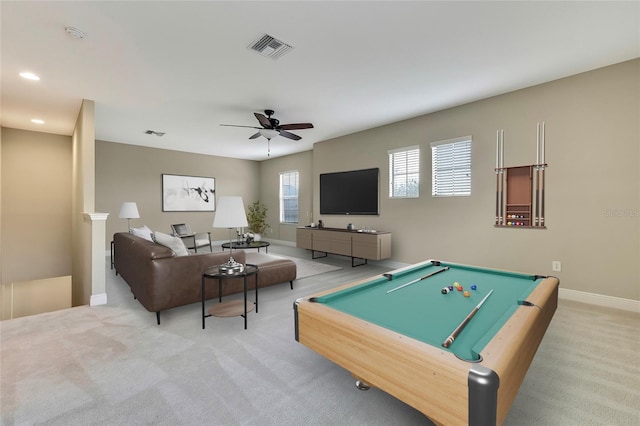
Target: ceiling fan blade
[263, 120]
[288, 135]
[235, 125]
[296, 126]
[255, 135]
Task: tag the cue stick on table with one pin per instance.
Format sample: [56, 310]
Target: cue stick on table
[446, 268]
[464, 322]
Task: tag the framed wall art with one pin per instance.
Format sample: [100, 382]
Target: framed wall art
[188, 193]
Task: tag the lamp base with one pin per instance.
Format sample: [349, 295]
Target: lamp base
[231, 267]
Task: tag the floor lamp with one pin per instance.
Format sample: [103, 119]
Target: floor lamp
[129, 210]
[230, 214]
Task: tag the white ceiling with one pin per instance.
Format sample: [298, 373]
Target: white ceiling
[184, 67]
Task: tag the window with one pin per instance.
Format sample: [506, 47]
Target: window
[289, 197]
[404, 172]
[451, 167]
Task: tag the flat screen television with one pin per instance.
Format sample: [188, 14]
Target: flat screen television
[353, 192]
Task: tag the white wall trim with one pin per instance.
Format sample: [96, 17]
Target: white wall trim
[282, 242]
[600, 300]
[98, 299]
[91, 217]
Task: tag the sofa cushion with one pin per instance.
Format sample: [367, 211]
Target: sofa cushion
[174, 243]
[143, 232]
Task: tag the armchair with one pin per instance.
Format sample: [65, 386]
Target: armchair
[191, 239]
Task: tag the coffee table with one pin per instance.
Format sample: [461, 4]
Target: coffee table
[244, 245]
[231, 308]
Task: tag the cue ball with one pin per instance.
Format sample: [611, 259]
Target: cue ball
[474, 287]
[466, 294]
[445, 290]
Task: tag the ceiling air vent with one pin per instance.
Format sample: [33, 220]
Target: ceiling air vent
[270, 47]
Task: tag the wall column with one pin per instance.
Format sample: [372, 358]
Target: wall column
[98, 273]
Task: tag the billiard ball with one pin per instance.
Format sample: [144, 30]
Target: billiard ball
[466, 294]
[459, 288]
[450, 288]
[445, 290]
[474, 287]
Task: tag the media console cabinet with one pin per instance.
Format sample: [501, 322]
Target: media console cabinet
[355, 244]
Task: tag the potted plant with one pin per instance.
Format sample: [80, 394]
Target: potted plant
[257, 219]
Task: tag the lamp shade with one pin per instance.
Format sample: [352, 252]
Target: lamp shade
[230, 213]
[129, 210]
[269, 133]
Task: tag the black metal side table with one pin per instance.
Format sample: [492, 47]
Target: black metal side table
[231, 308]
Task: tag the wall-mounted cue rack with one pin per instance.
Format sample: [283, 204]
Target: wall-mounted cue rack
[520, 190]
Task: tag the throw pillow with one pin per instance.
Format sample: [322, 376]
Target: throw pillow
[174, 243]
[142, 232]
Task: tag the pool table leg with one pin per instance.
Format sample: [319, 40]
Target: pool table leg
[483, 396]
[361, 384]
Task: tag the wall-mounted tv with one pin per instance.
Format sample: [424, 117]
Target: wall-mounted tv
[353, 192]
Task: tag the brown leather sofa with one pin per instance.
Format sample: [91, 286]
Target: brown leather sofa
[161, 280]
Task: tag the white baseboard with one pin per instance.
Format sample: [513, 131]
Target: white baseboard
[98, 299]
[282, 242]
[600, 300]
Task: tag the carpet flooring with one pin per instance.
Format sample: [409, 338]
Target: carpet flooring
[112, 365]
[309, 268]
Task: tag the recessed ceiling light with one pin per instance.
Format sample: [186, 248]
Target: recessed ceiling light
[37, 121]
[29, 76]
[76, 33]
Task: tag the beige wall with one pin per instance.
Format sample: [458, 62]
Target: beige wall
[134, 173]
[36, 205]
[83, 201]
[592, 183]
[270, 192]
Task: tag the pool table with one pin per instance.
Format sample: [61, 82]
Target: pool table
[389, 331]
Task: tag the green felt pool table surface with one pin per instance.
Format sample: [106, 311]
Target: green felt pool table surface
[421, 311]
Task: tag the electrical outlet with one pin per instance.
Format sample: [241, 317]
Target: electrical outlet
[556, 266]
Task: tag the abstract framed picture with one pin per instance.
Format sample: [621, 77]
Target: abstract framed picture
[188, 193]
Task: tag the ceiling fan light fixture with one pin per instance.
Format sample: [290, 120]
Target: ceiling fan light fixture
[269, 133]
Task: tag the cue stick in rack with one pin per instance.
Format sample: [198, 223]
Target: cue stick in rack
[502, 221]
[498, 173]
[542, 176]
[446, 268]
[499, 177]
[464, 322]
[536, 221]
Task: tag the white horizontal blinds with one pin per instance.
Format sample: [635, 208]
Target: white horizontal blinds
[451, 167]
[289, 184]
[404, 172]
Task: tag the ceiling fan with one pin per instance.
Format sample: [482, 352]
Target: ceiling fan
[271, 127]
